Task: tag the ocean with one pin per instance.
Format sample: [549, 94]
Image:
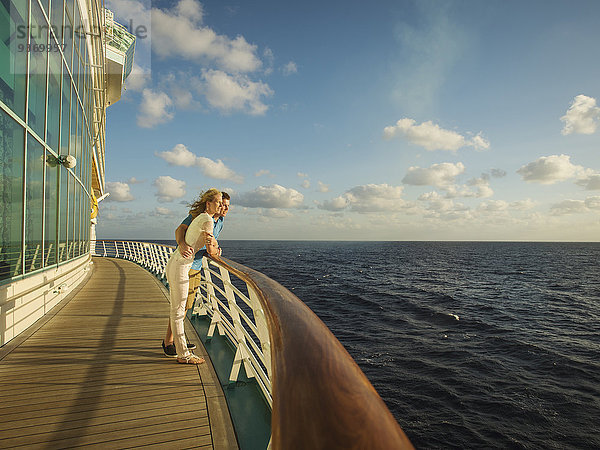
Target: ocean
[470, 344]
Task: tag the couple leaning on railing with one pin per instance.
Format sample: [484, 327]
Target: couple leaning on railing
[196, 236]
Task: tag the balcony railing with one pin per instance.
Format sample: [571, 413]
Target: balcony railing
[319, 396]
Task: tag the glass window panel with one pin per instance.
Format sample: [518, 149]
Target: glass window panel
[79, 142]
[51, 208]
[56, 18]
[76, 219]
[84, 56]
[77, 28]
[11, 193]
[55, 76]
[74, 109]
[65, 113]
[70, 215]
[69, 8]
[45, 6]
[68, 39]
[63, 217]
[34, 192]
[13, 35]
[37, 70]
[78, 225]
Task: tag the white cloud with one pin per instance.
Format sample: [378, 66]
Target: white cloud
[493, 205]
[270, 59]
[442, 174]
[180, 32]
[289, 68]
[336, 204]
[523, 205]
[582, 116]
[274, 196]
[169, 189]
[590, 183]
[181, 156]
[442, 207]
[217, 169]
[160, 211]
[480, 191]
[551, 169]
[431, 137]
[593, 202]
[134, 180]
[137, 79]
[156, 108]
[305, 184]
[125, 10]
[429, 49]
[498, 173]
[262, 172]
[368, 198]
[302, 175]
[569, 207]
[277, 213]
[590, 204]
[119, 192]
[482, 187]
[323, 187]
[231, 93]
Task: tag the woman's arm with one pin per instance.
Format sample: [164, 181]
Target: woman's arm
[212, 246]
[186, 250]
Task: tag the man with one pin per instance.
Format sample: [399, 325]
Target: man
[194, 272]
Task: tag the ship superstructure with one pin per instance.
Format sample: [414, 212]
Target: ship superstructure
[61, 64]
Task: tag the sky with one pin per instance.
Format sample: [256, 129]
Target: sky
[343, 120]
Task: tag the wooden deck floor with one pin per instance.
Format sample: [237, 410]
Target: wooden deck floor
[93, 374]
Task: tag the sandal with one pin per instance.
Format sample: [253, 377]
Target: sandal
[190, 359]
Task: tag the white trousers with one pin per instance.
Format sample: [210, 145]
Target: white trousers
[178, 268]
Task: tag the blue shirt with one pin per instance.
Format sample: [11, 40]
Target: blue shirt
[218, 226]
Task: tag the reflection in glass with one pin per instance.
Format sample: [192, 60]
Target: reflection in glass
[13, 17]
[11, 192]
[37, 71]
[34, 192]
[51, 207]
[54, 101]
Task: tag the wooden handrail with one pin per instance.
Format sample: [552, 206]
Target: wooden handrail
[321, 398]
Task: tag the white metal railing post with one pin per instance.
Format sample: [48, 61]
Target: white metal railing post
[241, 353]
[263, 329]
[154, 259]
[210, 293]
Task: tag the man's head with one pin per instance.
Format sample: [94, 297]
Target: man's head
[225, 207]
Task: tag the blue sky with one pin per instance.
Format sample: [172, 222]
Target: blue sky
[403, 120]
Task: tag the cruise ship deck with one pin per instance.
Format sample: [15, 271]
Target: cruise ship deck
[92, 373]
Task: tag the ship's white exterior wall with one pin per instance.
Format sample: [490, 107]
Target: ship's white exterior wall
[24, 302]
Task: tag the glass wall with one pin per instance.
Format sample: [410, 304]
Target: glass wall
[45, 90]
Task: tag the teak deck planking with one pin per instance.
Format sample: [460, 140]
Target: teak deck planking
[92, 374]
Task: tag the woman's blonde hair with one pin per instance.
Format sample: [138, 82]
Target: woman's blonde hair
[199, 206]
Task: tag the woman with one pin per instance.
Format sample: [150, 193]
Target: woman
[198, 235]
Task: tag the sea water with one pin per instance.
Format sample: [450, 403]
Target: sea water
[470, 344]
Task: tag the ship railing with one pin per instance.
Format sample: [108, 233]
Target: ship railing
[318, 395]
